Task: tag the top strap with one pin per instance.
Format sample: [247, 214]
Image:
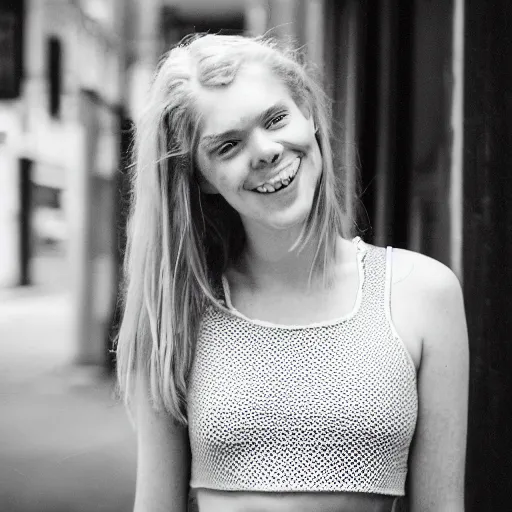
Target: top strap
[387, 293]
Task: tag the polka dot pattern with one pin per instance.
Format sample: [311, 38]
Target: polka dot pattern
[329, 407]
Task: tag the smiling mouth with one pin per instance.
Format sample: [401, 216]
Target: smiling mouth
[283, 180]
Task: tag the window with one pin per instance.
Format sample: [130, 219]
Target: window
[54, 76]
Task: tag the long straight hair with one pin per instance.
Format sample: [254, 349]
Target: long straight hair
[180, 240]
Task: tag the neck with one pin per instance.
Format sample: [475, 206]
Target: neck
[271, 257]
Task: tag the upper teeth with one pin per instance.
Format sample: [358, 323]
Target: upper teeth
[283, 178]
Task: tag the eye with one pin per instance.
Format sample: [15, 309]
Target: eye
[277, 119]
[227, 146]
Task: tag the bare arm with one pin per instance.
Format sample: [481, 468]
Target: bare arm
[436, 481]
[163, 459]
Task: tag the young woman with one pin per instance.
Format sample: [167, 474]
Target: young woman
[272, 362]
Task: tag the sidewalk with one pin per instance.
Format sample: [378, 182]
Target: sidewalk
[65, 442]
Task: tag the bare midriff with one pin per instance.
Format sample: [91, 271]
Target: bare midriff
[209, 500]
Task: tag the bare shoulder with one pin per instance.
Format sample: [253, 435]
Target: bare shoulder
[426, 303]
[428, 293]
[426, 277]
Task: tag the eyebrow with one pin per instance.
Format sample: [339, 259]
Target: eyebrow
[209, 141]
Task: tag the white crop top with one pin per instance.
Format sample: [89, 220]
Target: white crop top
[325, 407]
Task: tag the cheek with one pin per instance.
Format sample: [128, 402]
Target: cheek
[302, 134]
[210, 170]
[206, 174]
[202, 165]
[224, 176]
[225, 180]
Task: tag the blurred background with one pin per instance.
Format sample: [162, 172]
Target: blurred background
[422, 89]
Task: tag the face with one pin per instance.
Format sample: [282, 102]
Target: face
[258, 149]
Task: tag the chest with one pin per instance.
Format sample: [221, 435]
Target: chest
[285, 307]
[312, 383]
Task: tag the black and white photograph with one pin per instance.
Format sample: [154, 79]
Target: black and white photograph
[255, 256]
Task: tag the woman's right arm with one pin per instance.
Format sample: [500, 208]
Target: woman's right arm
[163, 458]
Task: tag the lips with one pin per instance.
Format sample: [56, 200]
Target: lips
[281, 177]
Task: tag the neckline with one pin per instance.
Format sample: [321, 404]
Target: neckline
[361, 250]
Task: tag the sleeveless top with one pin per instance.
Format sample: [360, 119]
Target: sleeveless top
[330, 406]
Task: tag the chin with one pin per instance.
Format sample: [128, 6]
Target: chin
[289, 220]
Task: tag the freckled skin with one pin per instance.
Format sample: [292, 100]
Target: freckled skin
[259, 146]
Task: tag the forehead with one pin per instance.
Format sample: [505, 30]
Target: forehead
[232, 107]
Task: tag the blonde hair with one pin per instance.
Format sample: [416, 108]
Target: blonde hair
[180, 240]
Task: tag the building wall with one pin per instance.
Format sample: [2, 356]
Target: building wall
[10, 130]
[73, 151]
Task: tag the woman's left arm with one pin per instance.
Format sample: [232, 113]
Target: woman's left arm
[437, 459]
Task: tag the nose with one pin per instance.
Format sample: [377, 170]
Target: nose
[265, 151]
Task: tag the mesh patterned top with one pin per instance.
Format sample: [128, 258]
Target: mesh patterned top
[330, 406]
